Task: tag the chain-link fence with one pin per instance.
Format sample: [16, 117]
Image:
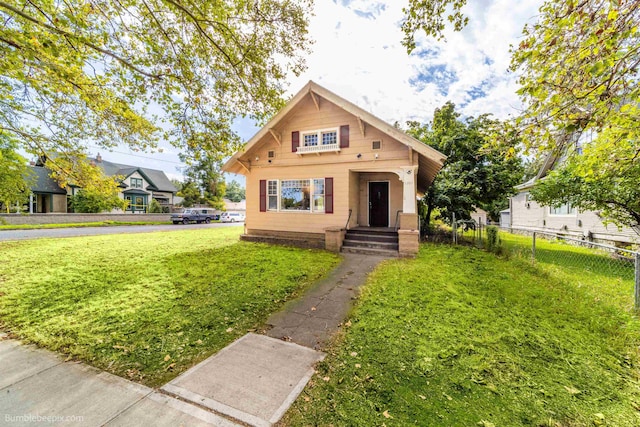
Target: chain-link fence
[583, 257]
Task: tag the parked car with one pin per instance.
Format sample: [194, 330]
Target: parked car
[232, 217]
[194, 215]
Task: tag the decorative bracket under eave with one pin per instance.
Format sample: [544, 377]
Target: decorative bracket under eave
[276, 136]
[361, 124]
[247, 168]
[315, 99]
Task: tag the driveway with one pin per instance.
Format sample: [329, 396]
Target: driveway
[6, 235]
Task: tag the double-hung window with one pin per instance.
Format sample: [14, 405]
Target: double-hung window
[272, 195]
[318, 195]
[136, 182]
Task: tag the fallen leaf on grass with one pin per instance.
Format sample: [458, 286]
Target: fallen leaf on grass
[306, 398]
[353, 354]
[348, 323]
[386, 414]
[483, 423]
[422, 397]
[170, 367]
[572, 390]
[229, 330]
[326, 379]
[358, 365]
[447, 396]
[166, 358]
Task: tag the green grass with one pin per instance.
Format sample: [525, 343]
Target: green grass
[147, 306]
[79, 225]
[460, 337]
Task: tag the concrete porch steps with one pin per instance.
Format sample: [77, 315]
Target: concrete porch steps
[371, 241]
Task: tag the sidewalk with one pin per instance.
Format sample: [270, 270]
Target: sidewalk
[38, 387]
[253, 380]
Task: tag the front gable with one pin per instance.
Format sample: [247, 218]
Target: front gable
[318, 127]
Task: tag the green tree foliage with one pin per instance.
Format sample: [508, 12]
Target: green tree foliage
[481, 169]
[235, 192]
[74, 73]
[578, 67]
[14, 174]
[429, 16]
[87, 201]
[190, 194]
[205, 183]
[154, 206]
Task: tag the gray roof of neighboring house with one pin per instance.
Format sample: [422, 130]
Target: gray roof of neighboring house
[43, 183]
[157, 178]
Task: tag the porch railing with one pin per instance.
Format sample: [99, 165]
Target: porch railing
[397, 219]
[346, 226]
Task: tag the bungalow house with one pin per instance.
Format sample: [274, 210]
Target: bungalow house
[138, 186]
[524, 214]
[325, 173]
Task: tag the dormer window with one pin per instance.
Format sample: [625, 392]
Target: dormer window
[136, 182]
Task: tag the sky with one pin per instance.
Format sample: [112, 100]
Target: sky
[357, 54]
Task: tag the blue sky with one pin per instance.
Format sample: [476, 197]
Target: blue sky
[357, 54]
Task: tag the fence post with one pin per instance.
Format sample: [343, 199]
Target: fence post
[637, 286]
[533, 247]
[454, 238]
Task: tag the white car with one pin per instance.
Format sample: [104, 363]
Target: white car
[232, 217]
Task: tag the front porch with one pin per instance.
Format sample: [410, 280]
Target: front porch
[382, 213]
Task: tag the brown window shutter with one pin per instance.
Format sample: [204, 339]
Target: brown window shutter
[263, 195]
[295, 141]
[328, 195]
[344, 136]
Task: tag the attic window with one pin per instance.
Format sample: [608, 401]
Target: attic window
[376, 145]
[271, 154]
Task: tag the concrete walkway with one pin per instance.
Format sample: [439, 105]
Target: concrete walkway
[254, 380]
[312, 319]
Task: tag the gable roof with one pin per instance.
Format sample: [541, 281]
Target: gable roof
[43, 183]
[157, 178]
[430, 160]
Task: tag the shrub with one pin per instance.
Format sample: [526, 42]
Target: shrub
[494, 243]
[154, 206]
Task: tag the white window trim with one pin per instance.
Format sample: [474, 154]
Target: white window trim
[311, 194]
[303, 149]
[567, 215]
[277, 181]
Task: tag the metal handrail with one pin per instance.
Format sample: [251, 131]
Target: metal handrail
[346, 226]
[397, 216]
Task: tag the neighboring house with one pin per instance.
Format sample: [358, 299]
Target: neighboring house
[323, 165]
[525, 214]
[46, 195]
[138, 186]
[230, 206]
[479, 216]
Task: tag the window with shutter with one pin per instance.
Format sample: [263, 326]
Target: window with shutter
[328, 195]
[263, 195]
[344, 136]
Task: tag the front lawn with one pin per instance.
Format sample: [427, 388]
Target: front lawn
[147, 306]
[460, 337]
[78, 225]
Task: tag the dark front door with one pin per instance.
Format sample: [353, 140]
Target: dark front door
[378, 204]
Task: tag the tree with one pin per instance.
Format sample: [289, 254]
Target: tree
[14, 174]
[235, 192]
[578, 70]
[87, 201]
[75, 73]
[205, 183]
[481, 169]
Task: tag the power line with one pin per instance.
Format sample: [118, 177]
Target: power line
[141, 156]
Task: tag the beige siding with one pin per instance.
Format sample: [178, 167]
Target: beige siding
[345, 167]
[307, 118]
[530, 215]
[395, 195]
[297, 221]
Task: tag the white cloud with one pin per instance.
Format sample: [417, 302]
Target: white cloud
[358, 55]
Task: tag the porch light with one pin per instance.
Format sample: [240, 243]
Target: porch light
[359, 155]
